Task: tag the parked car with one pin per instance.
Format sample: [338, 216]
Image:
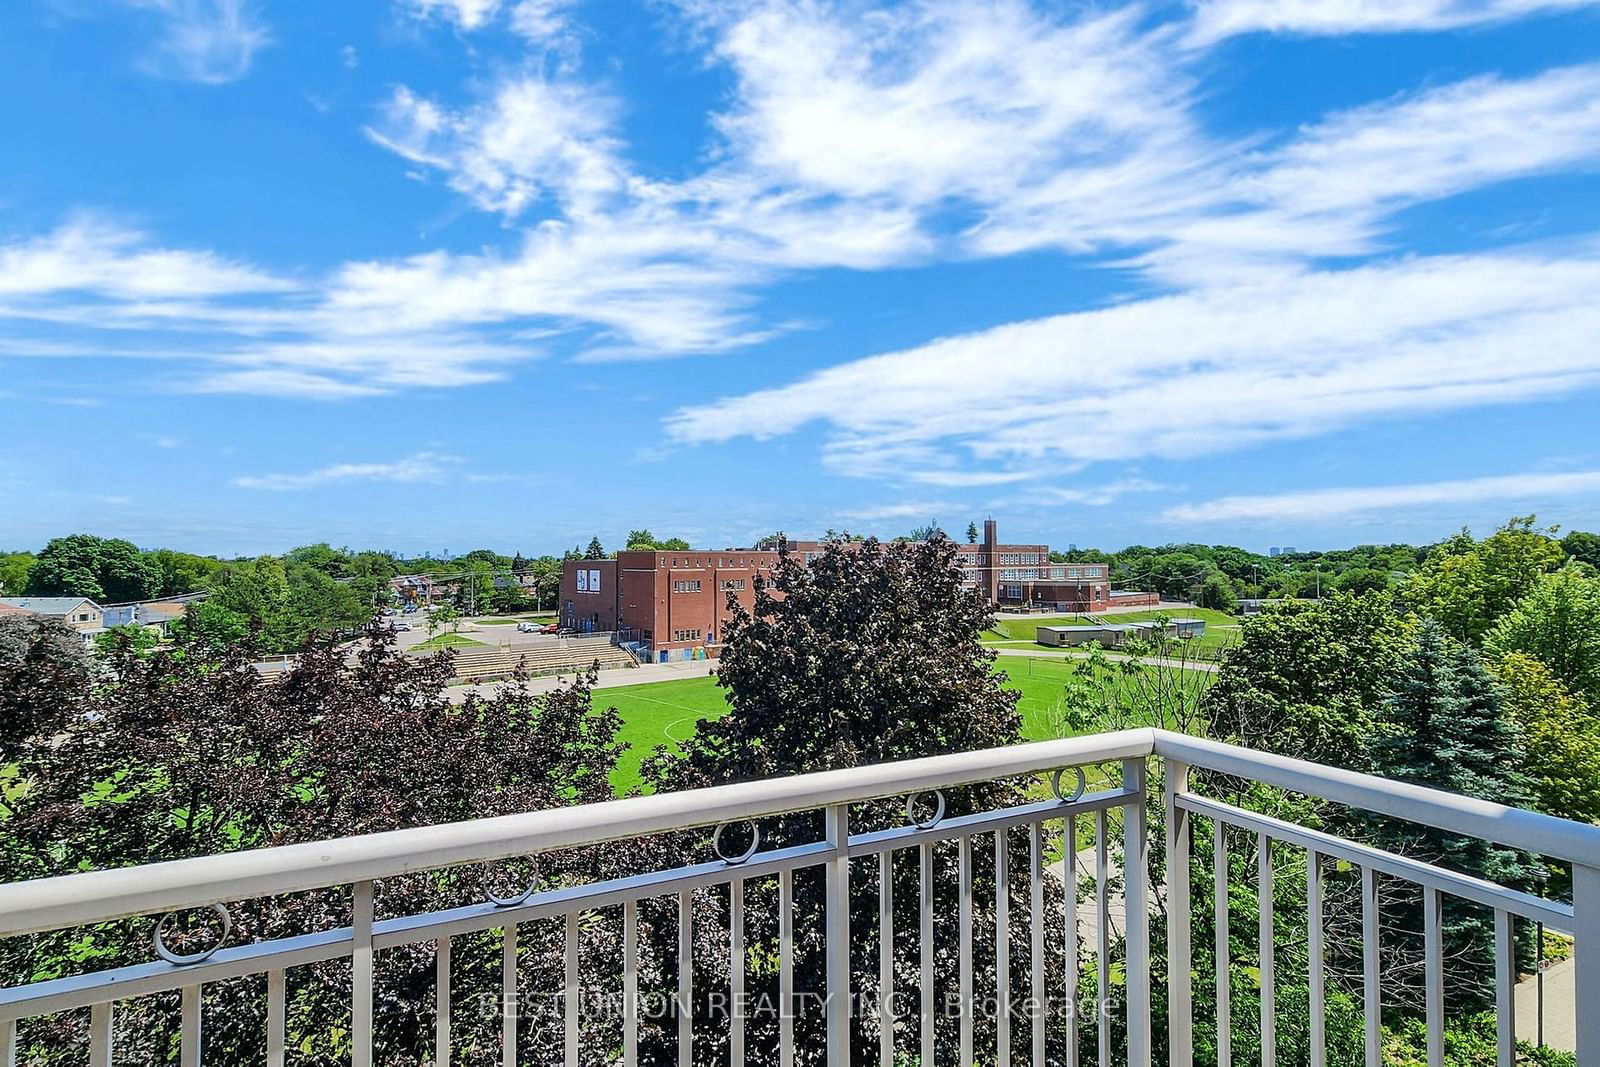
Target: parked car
[400, 626]
[526, 627]
[549, 628]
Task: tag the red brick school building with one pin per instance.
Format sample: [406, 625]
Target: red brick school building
[674, 603]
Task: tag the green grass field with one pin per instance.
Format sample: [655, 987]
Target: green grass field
[658, 713]
[447, 641]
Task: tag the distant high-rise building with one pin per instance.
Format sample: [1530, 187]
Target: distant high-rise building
[1274, 551]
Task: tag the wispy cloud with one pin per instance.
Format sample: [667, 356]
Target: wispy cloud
[420, 467]
[1210, 370]
[207, 41]
[1216, 19]
[1319, 505]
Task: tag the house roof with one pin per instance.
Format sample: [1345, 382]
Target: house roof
[47, 605]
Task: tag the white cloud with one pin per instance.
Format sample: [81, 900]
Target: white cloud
[534, 138]
[535, 20]
[421, 467]
[92, 255]
[1217, 19]
[207, 41]
[1320, 505]
[466, 14]
[1293, 354]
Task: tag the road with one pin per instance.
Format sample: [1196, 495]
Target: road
[1193, 664]
[608, 679]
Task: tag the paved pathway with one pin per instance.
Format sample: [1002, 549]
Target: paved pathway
[608, 679]
[1560, 1010]
[1193, 665]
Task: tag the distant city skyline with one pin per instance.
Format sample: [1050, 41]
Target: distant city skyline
[514, 273]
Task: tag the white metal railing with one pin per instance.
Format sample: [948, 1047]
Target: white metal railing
[158, 889]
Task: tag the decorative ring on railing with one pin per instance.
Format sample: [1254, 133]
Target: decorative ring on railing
[938, 809]
[734, 861]
[514, 899]
[1077, 794]
[180, 959]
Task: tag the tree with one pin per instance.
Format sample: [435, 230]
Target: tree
[1216, 593]
[1362, 580]
[972, 533]
[1582, 546]
[770, 542]
[1307, 677]
[193, 753]
[1558, 623]
[1445, 725]
[44, 676]
[137, 639]
[859, 657]
[595, 550]
[1467, 585]
[109, 570]
[183, 572]
[14, 568]
[674, 544]
[639, 539]
[1561, 734]
[925, 533]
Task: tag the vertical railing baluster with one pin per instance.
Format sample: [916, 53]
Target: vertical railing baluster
[570, 993]
[1180, 992]
[361, 975]
[886, 958]
[964, 887]
[191, 1022]
[510, 1007]
[1586, 958]
[1136, 907]
[1073, 947]
[1224, 942]
[786, 968]
[1102, 947]
[1505, 961]
[630, 984]
[686, 978]
[1036, 990]
[102, 1023]
[1002, 949]
[1265, 935]
[8, 1043]
[926, 934]
[277, 1018]
[1433, 974]
[1314, 966]
[736, 972]
[836, 919]
[1370, 991]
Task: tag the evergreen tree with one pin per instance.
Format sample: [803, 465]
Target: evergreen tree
[1445, 725]
[595, 549]
[972, 533]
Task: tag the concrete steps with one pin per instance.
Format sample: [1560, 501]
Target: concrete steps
[561, 658]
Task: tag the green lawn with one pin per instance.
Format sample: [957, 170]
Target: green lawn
[447, 641]
[658, 713]
[512, 620]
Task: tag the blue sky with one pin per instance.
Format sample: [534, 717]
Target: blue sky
[436, 274]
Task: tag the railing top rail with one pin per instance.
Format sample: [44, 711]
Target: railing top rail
[1531, 831]
[98, 896]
